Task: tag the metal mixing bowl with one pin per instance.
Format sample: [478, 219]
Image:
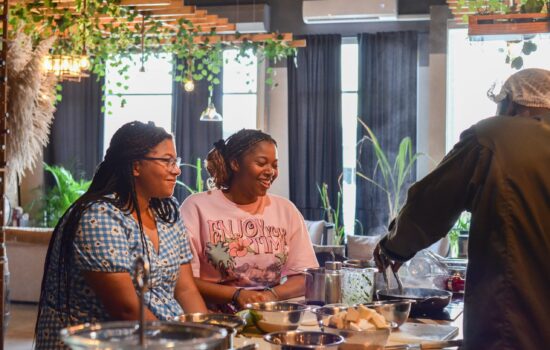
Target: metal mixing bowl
[232, 323]
[303, 340]
[371, 339]
[158, 336]
[395, 311]
[276, 316]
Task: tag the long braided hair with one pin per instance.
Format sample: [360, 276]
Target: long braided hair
[218, 161]
[113, 176]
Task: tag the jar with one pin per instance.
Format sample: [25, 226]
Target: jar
[358, 282]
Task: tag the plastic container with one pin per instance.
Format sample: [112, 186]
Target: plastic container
[358, 282]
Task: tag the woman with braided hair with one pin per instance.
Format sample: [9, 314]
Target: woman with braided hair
[248, 245]
[127, 212]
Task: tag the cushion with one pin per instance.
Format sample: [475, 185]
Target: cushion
[362, 247]
[316, 230]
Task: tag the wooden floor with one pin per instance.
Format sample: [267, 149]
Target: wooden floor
[20, 331]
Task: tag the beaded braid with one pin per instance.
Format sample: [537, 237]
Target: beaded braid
[113, 176]
[218, 161]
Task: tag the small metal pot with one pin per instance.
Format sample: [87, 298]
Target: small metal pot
[300, 340]
[324, 285]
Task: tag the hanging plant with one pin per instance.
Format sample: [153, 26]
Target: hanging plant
[108, 32]
[514, 57]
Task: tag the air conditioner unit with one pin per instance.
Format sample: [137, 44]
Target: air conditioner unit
[347, 11]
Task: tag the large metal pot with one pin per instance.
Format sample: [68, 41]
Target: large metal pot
[158, 336]
[426, 300]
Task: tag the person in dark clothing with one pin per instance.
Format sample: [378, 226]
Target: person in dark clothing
[500, 172]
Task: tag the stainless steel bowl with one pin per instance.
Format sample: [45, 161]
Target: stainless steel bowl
[374, 339]
[370, 339]
[232, 323]
[158, 335]
[275, 316]
[323, 313]
[303, 340]
[395, 311]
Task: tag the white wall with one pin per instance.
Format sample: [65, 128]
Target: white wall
[277, 126]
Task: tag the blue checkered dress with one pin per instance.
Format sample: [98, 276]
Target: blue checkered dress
[108, 240]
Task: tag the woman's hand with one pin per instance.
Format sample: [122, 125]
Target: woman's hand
[254, 296]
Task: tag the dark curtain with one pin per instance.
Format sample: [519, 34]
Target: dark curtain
[315, 122]
[194, 138]
[76, 136]
[387, 104]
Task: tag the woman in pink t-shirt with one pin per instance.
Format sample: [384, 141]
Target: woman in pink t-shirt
[246, 241]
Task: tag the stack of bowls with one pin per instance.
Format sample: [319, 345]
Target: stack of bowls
[276, 316]
[298, 340]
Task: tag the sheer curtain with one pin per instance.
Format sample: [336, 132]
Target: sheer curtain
[194, 138]
[388, 65]
[76, 136]
[315, 122]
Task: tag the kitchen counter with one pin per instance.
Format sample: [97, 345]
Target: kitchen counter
[414, 331]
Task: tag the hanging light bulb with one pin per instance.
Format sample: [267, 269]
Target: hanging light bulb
[56, 66]
[188, 85]
[84, 62]
[210, 114]
[47, 64]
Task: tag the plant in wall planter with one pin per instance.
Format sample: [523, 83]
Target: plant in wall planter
[515, 50]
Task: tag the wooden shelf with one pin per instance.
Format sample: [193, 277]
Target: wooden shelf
[519, 24]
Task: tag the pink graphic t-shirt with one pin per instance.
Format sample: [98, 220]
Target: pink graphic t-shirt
[251, 245]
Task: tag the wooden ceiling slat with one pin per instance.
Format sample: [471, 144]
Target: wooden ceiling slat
[169, 12]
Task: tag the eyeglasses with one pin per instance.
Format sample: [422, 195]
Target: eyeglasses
[171, 163]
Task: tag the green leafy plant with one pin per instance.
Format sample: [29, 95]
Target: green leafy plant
[83, 32]
[516, 61]
[59, 198]
[332, 215]
[394, 174]
[199, 182]
[462, 225]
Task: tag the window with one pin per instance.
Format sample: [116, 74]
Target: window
[239, 93]
[149, 94]
[350, 86]
[148, 97]
[471, 70]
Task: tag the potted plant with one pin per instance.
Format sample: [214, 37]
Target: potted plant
[59, 198]
[394, 174]
[336, 233]
[199, 182]
[458, 236]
